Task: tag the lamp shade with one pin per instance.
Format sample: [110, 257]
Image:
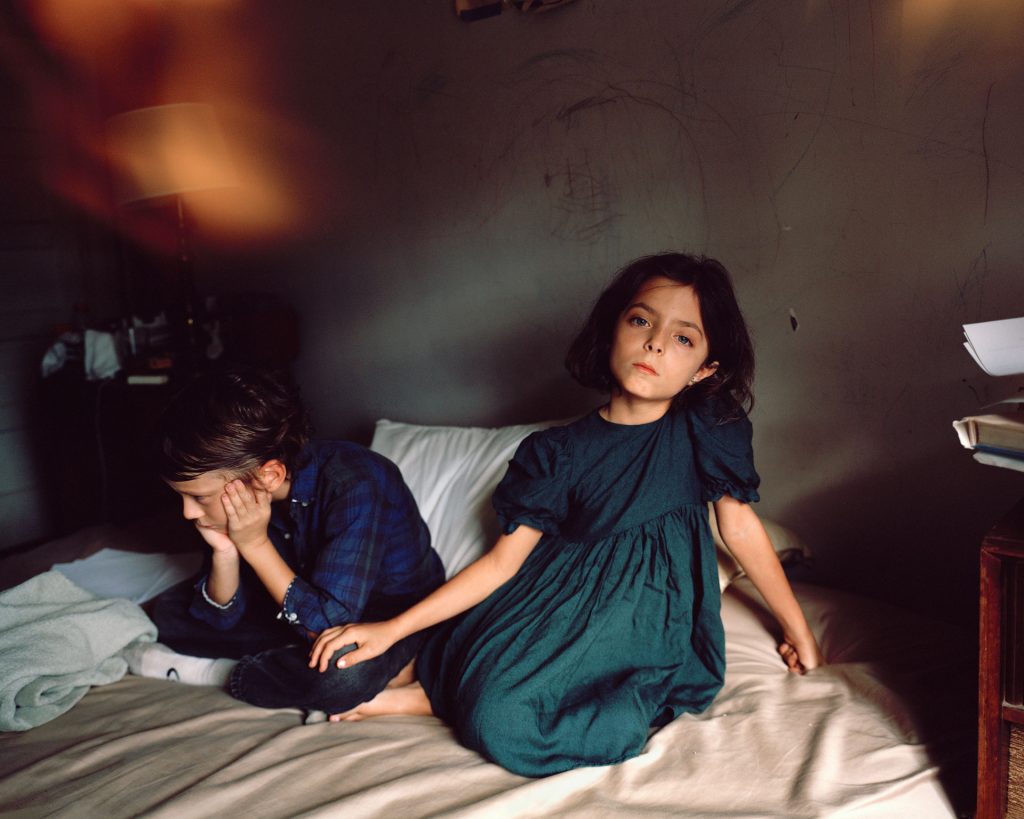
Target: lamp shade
[168, 149]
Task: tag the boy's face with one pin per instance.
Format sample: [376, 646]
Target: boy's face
[201, 499]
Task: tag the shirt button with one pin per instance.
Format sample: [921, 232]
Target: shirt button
[287, 535]
[305, 503]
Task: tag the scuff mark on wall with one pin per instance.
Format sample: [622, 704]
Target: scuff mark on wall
[970, 290]
[567, 112]
[584, 209]
[973, 391]
[935, 74]
[432, 83]
[984, 149]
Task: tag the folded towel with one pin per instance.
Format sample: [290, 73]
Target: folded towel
[57, 640]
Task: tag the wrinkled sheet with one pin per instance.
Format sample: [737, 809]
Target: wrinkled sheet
[886, 730]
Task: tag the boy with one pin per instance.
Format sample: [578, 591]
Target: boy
[303, 535]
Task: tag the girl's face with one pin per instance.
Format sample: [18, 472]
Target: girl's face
[659, 345]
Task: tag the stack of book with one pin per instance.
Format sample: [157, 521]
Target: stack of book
[996, 439]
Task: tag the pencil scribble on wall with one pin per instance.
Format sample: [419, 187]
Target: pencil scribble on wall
[583, 207]
[602, 130]
[969, 287]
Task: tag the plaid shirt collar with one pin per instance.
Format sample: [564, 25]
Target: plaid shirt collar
[303, 488]
[302, 492]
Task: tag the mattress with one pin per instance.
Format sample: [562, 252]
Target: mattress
[884, 730]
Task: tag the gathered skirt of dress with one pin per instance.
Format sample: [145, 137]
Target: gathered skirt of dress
[574, 659]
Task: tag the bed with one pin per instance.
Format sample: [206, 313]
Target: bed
[885, 730]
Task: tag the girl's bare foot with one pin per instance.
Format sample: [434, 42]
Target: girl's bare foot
[403, 699]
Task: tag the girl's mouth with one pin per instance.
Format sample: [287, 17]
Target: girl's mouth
[645, 368]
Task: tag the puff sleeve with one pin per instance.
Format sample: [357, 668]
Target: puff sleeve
[535, 488]
[723, 452]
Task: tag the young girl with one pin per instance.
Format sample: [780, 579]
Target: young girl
[597, 614]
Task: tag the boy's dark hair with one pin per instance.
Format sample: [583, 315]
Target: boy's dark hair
[728, 339]
[233, 421]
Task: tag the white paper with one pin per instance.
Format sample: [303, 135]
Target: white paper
[134, 575]
[997, 346]
[963, 433]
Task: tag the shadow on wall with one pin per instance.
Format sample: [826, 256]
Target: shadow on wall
[463, 357]
[535, 397]
[880, 535]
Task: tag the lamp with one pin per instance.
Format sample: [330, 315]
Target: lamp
[168, 151]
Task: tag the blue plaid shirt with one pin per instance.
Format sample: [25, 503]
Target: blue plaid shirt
[351, 532]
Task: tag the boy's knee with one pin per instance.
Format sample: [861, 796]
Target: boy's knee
[281, 678]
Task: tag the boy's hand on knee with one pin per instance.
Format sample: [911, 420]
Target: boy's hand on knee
[370, 640]
[248, 512]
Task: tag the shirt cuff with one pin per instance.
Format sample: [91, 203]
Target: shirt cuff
[212, 602]
[287, 612]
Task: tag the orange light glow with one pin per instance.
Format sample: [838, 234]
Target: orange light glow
[106, 57]
[997, 22]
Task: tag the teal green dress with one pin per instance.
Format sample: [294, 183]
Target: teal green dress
[613, 623]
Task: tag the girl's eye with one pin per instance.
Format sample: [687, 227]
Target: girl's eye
[638, 321]
[683, 340]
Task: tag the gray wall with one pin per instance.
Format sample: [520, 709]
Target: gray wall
[465, 190]
[858, 164]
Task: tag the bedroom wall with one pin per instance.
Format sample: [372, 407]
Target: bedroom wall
[856, 165]
[451, 197]
[55, 264]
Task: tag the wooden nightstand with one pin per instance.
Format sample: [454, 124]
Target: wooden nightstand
[1001, 670]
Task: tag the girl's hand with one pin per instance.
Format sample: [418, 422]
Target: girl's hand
[370, 640]
[801, 656]
[248, 511]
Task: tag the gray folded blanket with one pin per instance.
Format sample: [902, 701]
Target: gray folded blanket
[57, 640]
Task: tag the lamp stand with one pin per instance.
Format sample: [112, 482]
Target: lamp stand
[187, 286]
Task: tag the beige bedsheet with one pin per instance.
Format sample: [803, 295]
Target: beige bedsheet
[884, 731]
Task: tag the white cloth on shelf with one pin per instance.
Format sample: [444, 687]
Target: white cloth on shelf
[102, 360]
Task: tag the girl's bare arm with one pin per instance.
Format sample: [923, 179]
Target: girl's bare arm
[743, 533]
[462, 592]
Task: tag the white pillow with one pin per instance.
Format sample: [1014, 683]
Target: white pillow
[453, 471]
[788, 547]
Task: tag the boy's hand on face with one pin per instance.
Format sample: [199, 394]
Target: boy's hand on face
[248, 512]
[222, 545]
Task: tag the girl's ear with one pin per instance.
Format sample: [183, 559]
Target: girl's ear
[271, 475]
[709, 368]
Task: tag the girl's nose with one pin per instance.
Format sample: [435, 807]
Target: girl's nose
[653, 345]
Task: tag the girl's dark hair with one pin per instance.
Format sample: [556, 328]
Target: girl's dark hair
[728, 339]
[232, 421]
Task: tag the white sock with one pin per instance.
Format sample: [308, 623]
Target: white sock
[157, 660]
